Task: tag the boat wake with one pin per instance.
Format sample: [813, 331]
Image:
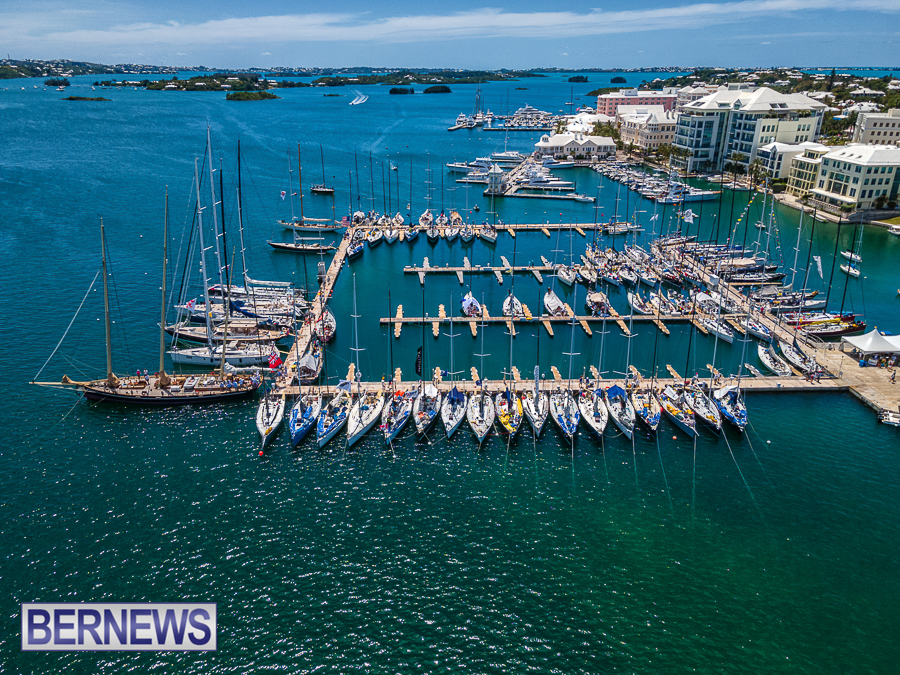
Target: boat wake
[360, 98]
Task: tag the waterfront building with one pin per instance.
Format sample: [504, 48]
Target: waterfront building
[730, 125]
[804, 171]
[777, 157]
[584, 122]
[878, 128]
[575, 145]
[689, 94]
[646, 127]
[608, 104]
[855, 177]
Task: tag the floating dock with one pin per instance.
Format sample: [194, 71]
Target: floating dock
[870, 385]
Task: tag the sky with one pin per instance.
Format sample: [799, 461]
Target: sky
[458, 34]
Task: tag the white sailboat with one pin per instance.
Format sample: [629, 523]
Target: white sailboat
[367, 408]
[679, 414]
[593, 410]
[772, 361]
[269, 416]
[480, 412]
[453, 408]
[395, 414]
[426, 408]
[563, 407]
[702, 406]
[621, 412]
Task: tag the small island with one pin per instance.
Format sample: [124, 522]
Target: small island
[521, 89]
[438, 89]
[402, 90]
[618, 79]
[56, 82]
[250, 96]
[85, 98]
[578, 78]
[338, 95]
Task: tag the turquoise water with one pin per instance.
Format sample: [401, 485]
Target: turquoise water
[772, 552]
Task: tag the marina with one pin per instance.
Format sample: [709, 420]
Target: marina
[558, 542]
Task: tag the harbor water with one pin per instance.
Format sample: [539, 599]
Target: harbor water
[772, 551]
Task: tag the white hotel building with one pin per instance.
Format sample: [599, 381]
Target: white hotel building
[738, 120]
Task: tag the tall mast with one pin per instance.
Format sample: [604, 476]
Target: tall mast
[797, 249]
[241, 220]
[162, 303]
[371, 182]
[390, 339]
[107, 325]
[356, 162]
[355, 337]
[225, 330]
[537, 358]
[290, 180]
[424, 369]
[300, 181]
[203, 258]
[212, 196]
[222, 212]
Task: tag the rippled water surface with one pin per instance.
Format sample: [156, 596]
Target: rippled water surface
[770, 552]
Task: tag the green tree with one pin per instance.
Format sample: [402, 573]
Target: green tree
[757, 171]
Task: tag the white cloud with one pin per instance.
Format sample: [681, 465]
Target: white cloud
[479, 23]
[266, 54]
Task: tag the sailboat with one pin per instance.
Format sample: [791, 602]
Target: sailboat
[563, 407]
[303, 415]
[702, 406]
[269, 415]
[620, 409]
[161, 389]
[593, 410]
[679, 414]
[367, 408]
[395, 414]
[535, 403]
[509, 407]
[325, 326]
[480, 411]
[731, 405]
[512, 307]
[453, 409]
[333, 416]
[771, 360]
[322, 188]
[646, 407]
[426, 408]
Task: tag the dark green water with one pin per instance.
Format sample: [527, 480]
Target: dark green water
[772, 552]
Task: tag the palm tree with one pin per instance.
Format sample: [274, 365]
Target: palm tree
[757, 169]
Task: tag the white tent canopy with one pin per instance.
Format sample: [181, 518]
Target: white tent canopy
[873, 342]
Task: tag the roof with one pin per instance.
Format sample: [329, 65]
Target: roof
[762, 99]
[560, 140]
[870, 155]
[874, 342]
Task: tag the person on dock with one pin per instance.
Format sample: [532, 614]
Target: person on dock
[894, 376]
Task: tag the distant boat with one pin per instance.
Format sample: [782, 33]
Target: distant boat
[360, 98]
[322, 188]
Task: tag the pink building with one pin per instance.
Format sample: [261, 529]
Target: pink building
[608, 104]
